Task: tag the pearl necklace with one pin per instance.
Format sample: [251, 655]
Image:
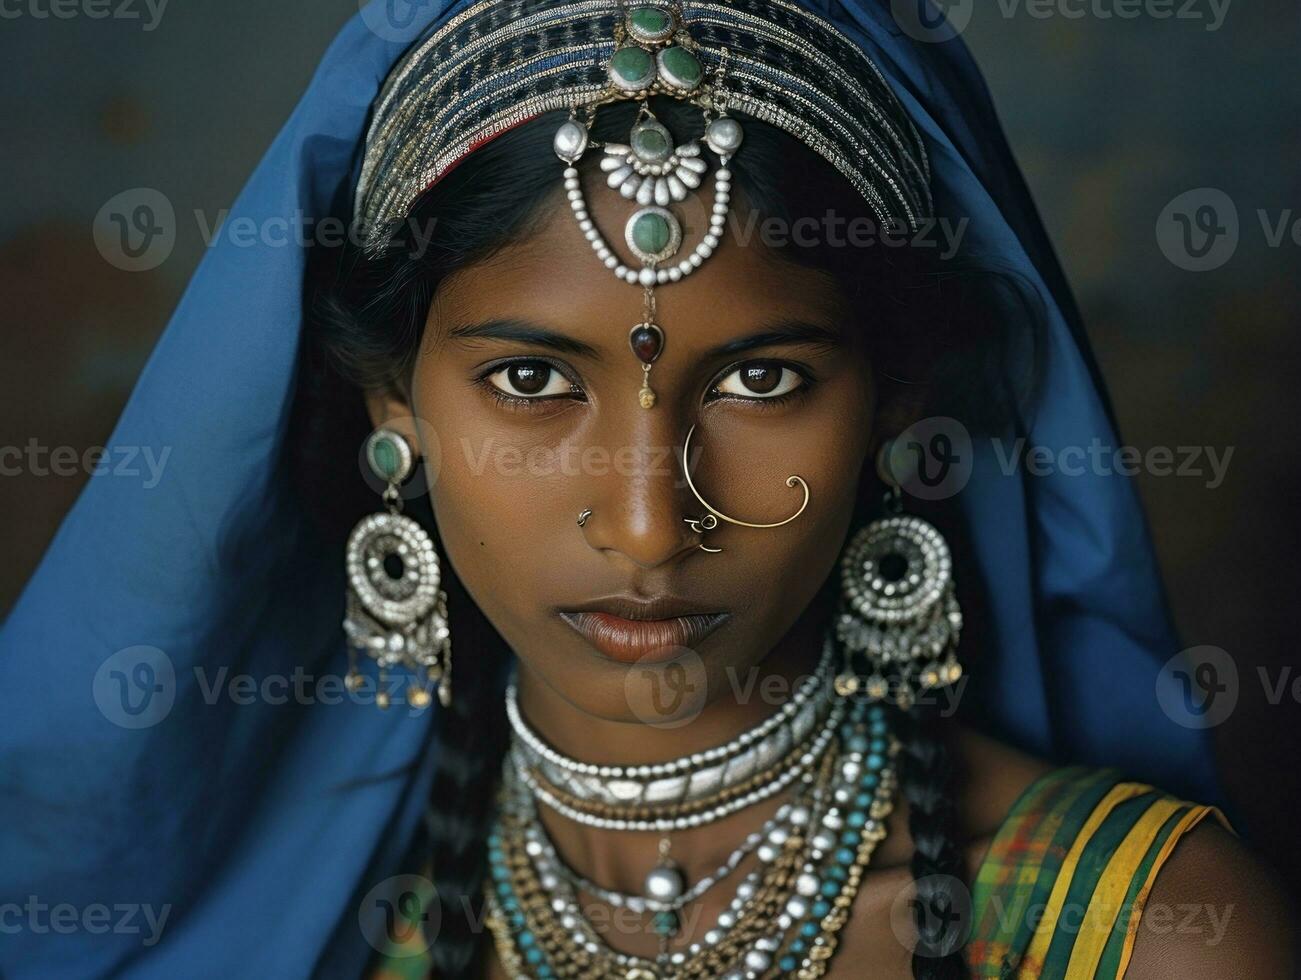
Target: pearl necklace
[540, 846]
[802, 763]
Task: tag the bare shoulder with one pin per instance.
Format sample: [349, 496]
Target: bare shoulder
[991, 778]
[988, 778]
[1214, 911]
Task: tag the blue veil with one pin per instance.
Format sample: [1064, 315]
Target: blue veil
[141, 775]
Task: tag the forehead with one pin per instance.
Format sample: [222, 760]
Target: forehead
[551, 276]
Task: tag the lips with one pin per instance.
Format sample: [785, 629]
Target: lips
[642, 631]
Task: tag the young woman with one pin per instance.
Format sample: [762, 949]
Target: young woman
[673, 342]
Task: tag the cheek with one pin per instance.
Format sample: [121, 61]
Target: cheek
[491, 488]
[746, 465]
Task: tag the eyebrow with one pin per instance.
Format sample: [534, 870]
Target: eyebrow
[520, 331]
[782, 334]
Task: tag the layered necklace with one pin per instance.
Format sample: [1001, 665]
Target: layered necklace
[834, 755]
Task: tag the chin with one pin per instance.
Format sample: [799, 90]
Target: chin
[660, 692]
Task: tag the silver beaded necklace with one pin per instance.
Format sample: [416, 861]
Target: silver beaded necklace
[820, 818]
[691, 777]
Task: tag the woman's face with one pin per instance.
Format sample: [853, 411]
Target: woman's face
[527, 385]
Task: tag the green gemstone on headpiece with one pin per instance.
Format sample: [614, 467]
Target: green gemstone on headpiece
[632, 67]
[649, 23]
[680, 68]
[650, 233]
[650, 143]
[385, 458]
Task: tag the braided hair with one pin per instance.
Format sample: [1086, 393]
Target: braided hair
[927, 779]
[931, 332]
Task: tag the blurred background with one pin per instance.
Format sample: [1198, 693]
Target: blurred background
[1161, 147]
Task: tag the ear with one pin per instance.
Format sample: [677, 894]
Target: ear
[899, 405]
[388, 407]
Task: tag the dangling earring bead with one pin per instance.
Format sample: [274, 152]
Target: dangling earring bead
[396, 607]
[900, 622]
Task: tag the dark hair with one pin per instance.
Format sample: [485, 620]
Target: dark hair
[939, 332]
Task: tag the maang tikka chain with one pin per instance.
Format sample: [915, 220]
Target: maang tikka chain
[654, 55]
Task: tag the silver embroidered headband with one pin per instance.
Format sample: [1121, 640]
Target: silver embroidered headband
[501, 63]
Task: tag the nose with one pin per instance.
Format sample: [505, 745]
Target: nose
[638, 501]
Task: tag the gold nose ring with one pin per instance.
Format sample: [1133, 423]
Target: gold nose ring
[710, 520]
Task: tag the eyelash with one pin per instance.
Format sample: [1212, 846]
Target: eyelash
[517, 403]
[758, 401]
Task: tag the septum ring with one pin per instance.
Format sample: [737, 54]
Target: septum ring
[710, 520]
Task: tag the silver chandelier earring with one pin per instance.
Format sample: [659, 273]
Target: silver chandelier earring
[397, 609]
[899, 622]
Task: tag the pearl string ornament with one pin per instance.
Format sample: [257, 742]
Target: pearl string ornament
[807, 760]
[651, 274]
[816, 683]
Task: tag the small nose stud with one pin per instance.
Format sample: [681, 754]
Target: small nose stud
[700, 525]
[582, 518]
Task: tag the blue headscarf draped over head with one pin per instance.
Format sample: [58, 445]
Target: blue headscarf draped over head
[158, 757]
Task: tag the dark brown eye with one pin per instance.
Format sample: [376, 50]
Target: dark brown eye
[530, 379]
[760, 379]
